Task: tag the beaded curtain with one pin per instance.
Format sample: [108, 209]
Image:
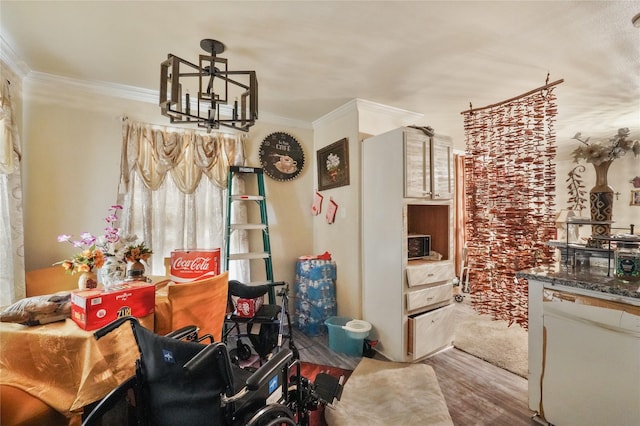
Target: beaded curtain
[509, 197]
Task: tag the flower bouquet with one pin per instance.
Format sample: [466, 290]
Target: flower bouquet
[110, 251]
[84, 262]
[135, 255]
[137, 252]
[90, 256]
[599, 153]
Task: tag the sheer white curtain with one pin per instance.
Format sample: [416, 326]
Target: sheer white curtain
[11, 221]
[173, 191]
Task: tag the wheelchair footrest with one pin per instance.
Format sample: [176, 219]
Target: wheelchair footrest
[328, 387]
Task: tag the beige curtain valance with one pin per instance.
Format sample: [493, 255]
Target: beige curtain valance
[187, 155]
[9, 143]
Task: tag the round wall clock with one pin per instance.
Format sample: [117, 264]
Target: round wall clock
[281, 156]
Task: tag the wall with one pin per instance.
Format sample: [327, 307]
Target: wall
[355, 121]
[288, 205]
[342, 238]
[71, 139]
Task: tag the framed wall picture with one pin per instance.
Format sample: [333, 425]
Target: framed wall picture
[635, 197]
[333, 165]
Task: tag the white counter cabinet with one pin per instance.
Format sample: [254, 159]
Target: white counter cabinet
[584, 349]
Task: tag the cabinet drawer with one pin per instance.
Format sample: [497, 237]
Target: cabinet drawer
[430, 331]
[425, 272]
[429, 296]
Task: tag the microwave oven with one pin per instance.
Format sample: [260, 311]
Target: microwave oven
[418, 246]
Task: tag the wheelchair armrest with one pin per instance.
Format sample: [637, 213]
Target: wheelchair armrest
[204, 337]
[264, 373]
[184, 332]
[203, 359]
[109, 401]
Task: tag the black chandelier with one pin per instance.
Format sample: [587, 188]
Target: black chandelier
[214, 86]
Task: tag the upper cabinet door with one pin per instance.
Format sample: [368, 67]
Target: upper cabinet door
[417, 179]
[442, 171]
[428, 166]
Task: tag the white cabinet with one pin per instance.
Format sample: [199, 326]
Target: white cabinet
[408, 302]
[428, 163]
[583, 347]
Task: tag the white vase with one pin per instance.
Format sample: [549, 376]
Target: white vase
[87, 280]
[112, 272]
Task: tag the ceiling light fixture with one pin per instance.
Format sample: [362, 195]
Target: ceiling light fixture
[214, 87]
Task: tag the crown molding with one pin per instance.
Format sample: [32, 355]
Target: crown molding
[284, 121]
[53, 88]
[365, 106]
[39, 83]
[12, 60]
[389, 111]
[336, 113]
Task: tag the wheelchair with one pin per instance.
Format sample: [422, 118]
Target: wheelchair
[264, 330]
[181, 380]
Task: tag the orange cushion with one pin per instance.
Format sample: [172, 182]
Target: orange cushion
[201, 303]
[17, 407]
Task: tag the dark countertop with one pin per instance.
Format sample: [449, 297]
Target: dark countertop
[554, 275]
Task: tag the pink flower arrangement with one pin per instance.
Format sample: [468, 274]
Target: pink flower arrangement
[111, 244]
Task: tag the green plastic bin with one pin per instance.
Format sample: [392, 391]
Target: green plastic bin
[339, 340]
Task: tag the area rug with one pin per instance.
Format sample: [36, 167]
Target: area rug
[310, 371]
[382, 393]
[492, 340]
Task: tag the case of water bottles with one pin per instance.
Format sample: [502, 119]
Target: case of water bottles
[315, 294]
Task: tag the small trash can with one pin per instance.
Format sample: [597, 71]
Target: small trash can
[347, 335]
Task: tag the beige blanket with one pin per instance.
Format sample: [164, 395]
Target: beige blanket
[390, 393]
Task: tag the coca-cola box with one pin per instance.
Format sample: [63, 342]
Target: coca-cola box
[193, 265]
[92, 309]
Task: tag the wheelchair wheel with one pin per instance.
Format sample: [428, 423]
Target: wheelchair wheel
[272, 415]
[243, 351]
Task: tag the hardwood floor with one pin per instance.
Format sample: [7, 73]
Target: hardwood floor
[476, 392]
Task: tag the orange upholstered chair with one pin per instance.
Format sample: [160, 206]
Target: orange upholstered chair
[201, 303]
[49, 280]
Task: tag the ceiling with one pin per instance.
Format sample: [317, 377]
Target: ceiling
[429, 57]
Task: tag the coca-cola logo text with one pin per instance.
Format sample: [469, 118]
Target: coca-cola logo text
[196, 264]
